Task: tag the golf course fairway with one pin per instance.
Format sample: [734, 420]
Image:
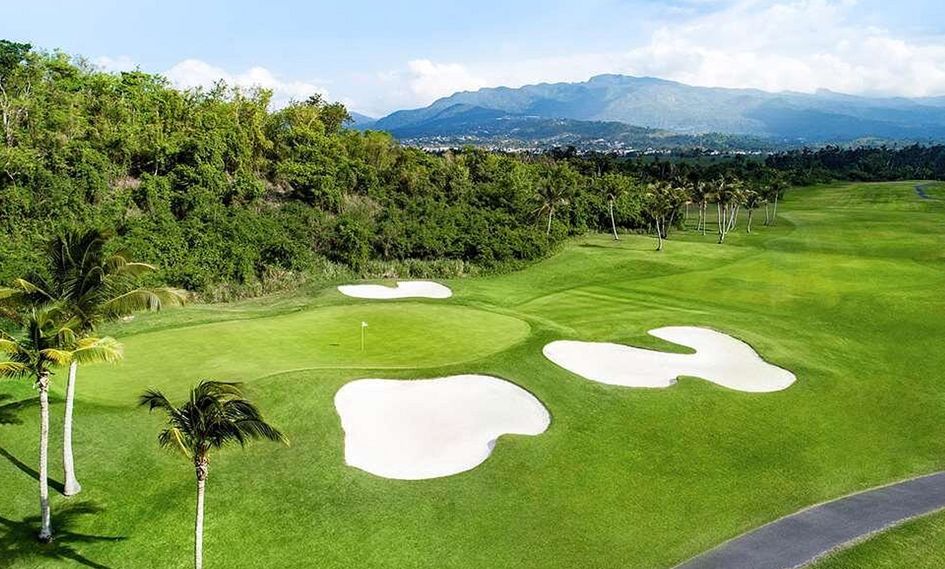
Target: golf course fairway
[844, 291]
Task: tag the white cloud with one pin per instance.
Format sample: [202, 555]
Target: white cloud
[798, 45]
[192, 73]
[431, 80]
[775, 45]
[114, 64]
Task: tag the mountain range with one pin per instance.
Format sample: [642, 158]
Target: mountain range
[646, 110]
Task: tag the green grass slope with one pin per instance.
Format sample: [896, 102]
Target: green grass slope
[845, 292]
[919, 544]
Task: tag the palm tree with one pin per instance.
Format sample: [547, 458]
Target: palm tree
[700, 194]
[555, 188]
[47, 342]
[753, 199]
[663, 202]
[611, 187]
[92, 286]
[773, 192]
[728, 195]
[216, 415]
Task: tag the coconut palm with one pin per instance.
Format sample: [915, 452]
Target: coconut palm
[663, 201]
[727, 195]
[753, 199]
[46, 343]
[773, 192]
[92, 286]
[215, 415]
[611, 187]
[556, 186]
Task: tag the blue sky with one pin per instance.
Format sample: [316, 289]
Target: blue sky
[381, 56]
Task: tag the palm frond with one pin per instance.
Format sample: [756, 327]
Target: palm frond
[95, 350]
[172, 437]
[8, 345]
[57, 356]
[143, 299]
[127, 268]
[153, 399]
[14, 370]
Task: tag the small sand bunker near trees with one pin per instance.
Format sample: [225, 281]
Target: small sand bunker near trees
[428, 428]
[403, 289]
[719, 358]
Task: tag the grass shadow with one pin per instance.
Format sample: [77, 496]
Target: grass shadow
[19, 546]
[10, 412]
[30, 471]
[10, 415]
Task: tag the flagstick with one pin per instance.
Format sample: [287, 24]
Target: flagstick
[362, 338]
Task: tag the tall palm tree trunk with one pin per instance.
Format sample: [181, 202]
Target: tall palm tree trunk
[202, 467]
[659, 235]
[767, 214]
[71, 485]
[551, 212]
[45, 532]
[613, 224]
[774, 216]
[750, 212]
[722, 220]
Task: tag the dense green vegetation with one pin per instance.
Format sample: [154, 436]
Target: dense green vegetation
[844, 291]
[215, 188]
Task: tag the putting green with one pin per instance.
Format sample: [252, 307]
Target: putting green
[405, 335]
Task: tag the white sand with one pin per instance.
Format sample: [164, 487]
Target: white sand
[719, 358]
[403, 289]
[418, 429]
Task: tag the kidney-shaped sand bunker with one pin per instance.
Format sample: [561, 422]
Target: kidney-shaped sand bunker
[428, 428]
[403, 289]
[719, 358]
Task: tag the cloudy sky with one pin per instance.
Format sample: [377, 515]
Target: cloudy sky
[379, 56]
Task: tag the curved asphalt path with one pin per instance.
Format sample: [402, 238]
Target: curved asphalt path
[920, 189]
[796, 540]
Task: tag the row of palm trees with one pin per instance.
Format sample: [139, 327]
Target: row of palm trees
[667, 200]
[58, 314]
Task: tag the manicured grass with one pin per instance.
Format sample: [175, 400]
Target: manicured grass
[845, 291]
[919, 544]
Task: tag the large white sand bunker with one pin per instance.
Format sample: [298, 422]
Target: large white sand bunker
[403, 289]
[719, 358]
[412, 430]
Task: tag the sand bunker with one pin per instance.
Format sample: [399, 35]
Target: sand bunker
[413, 430]
[403, 289]
[719, 358]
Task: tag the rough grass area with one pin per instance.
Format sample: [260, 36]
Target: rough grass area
[845, 291]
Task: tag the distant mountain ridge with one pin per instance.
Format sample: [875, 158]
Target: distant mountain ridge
[653, 103]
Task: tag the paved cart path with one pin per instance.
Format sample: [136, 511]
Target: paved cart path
[798, 539]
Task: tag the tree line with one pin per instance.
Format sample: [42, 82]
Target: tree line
[227, 195]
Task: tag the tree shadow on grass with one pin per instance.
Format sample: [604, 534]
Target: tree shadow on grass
[10, 412]
[10, 415]
[18, 543]
[30, 471]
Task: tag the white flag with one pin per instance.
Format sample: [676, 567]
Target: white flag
[364, 324]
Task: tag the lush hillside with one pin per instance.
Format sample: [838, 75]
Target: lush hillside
[220, 190]
[666, 105]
